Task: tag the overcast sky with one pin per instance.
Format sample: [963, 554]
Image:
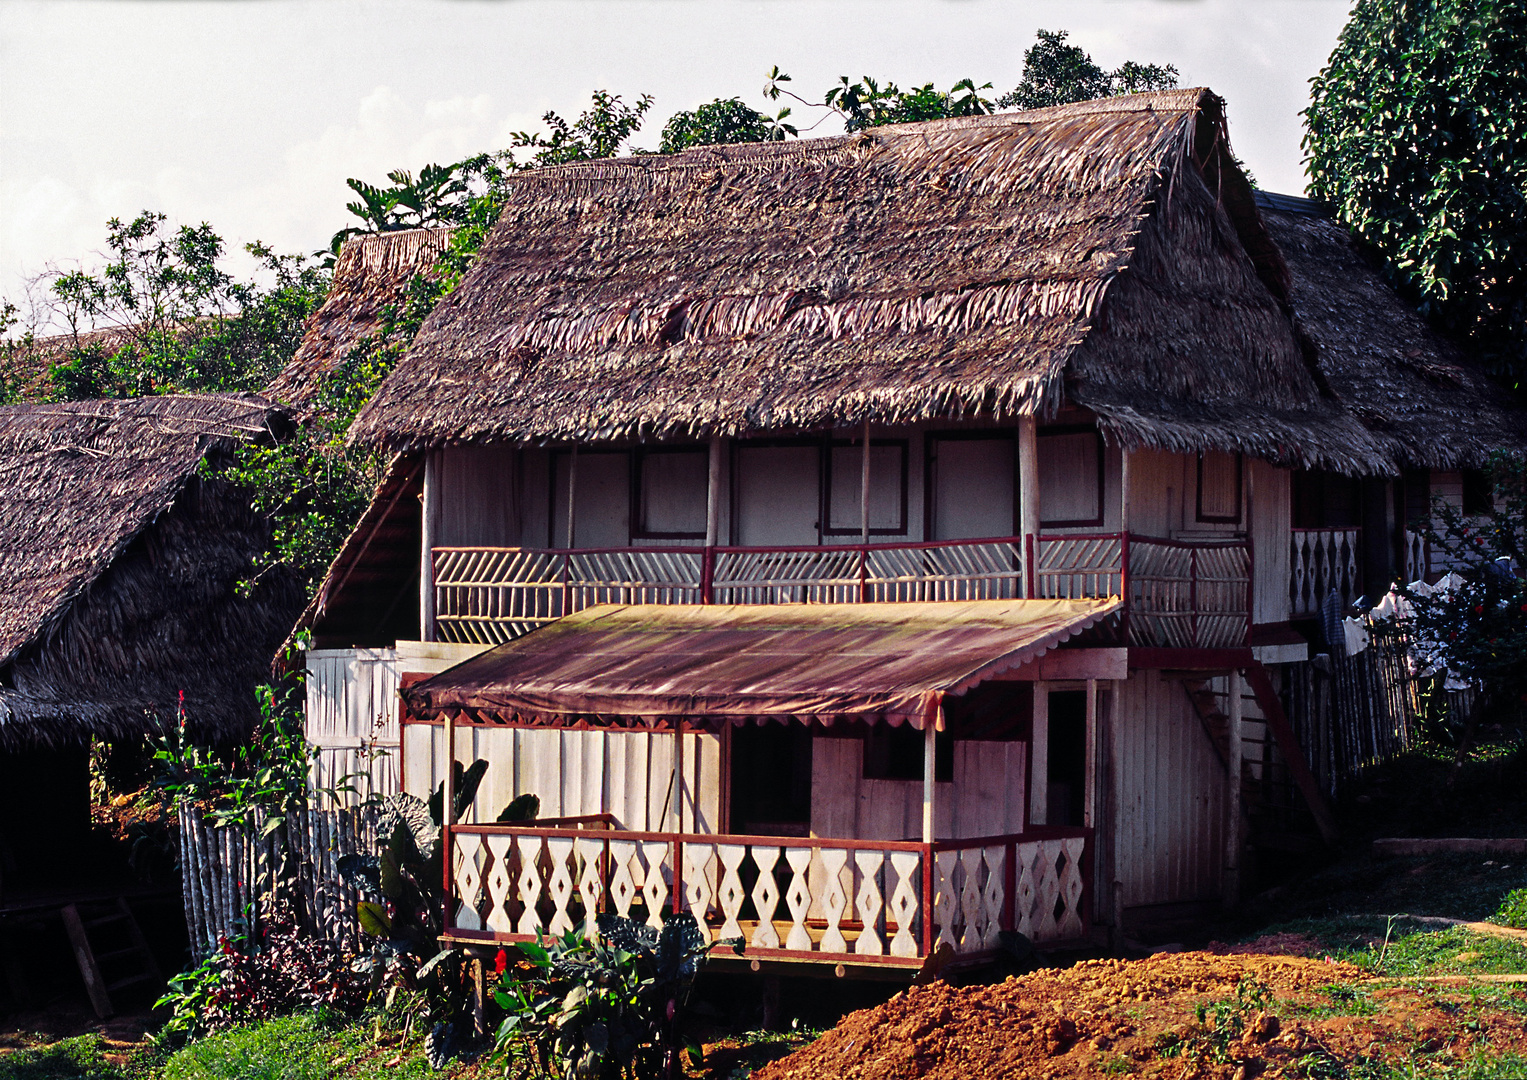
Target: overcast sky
[250, 114]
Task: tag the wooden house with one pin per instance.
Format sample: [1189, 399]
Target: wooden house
[119, 571]
[868, 544]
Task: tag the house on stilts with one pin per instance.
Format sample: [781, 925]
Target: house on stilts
[874, 544]
[121, 562]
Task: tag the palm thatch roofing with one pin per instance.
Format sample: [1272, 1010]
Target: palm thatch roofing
[1107, 254]
[119, 567]
[1407, 383]
[371, 274]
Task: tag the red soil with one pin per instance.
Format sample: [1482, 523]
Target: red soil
[1142, 1018]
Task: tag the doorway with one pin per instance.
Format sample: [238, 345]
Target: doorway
[1067, 757]
[771, 779]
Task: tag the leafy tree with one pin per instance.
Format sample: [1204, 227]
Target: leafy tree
[1416, 135]
[599, 132]
[181, 322]
[867, 103]
[725, 120]
[435, 198]
[1055, 73]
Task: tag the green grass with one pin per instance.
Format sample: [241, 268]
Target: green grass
[298, 1048]
[80, 1058]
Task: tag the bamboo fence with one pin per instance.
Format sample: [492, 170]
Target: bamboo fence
[233, 877]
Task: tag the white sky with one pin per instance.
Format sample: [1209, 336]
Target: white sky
[250, 115]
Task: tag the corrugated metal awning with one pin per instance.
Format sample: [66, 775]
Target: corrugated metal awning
[653, 665]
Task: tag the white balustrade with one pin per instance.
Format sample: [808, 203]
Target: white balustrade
[847, 899]
[1323, 560]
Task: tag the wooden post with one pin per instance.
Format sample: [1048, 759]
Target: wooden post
[864, 487]
[1233, 794]
[572, 495]
[428, 512]
[1115, 823]
[930, 750]
[1089, 785]
[1039, 757]
[447, 803]
[1028, 491]
[1124, 489]
[678, 778]
[713, 493]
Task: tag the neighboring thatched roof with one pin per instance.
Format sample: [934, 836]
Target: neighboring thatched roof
[118, 566]
[1108, 252]
[1407, 383]
[371, 274]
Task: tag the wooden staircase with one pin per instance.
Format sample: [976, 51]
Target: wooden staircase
[110, 949]
[1280, 799]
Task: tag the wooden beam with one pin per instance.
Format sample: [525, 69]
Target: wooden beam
[930, 736]
[1039, 757]
[95, 986]
[1233, 757]
[713, 494]
[429, 509]
[1090, 779]
[572, 494]
[864, 487]
[1189, 659]
[1028, 476]
[1070, 665]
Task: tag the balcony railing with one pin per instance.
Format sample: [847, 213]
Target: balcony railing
[817, 899]
[1180, 594]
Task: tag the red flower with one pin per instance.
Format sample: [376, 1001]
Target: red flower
[1479, 609]
[500, 962]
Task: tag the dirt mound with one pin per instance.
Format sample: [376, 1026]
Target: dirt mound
[1186, 1014]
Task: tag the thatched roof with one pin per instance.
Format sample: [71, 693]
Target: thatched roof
[1108, 252]
[371, 274]
[118, 566]
[1408, 384]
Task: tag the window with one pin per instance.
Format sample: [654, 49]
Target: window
[601, 499]
[971, 481]
[669, 489]
[1219, 487]
[1070, 477]
[1324, 500]
[896, 753]
[776, 493]
[1478, 492]
[888, 488]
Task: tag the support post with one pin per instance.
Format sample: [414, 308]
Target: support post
[678, 777]
[572, 495]
[712, 521]
[447, 806]
[1090, 785]
[1039, 757]
[864, 486]
[1124, 489]
[1028, 476]
[1115, 824]
[1233, 754]
[930, 749]
[428, 512]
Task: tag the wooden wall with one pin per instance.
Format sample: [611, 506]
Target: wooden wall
[985, 799]
[575, 773]
[1169, 806]
[1270, 490]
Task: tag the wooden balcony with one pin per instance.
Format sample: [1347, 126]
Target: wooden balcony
[1180, 594]
[1327, 560]
[850, 902]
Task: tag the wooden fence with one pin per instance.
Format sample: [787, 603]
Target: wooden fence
[233, 877]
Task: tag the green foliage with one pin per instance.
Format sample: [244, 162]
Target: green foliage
[599, 132]
[1415, 134]
[605, 1006]
[725, 120]
[866, 103]
[1479, 629]
[182, 324]
[266, 775]
[79, 1058]
[1055, 73]
[1513, 910]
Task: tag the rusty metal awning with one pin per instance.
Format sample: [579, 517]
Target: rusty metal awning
[657, 665]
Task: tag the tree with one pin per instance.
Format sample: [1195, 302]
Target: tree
[1055, 73]
[599, 132]
[181, 322]
[725, 120]
[1417, 137]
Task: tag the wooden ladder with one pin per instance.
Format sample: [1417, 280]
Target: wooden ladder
[1276, 784]
[98, 949]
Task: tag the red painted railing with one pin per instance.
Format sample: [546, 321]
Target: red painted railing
[1178, 593]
